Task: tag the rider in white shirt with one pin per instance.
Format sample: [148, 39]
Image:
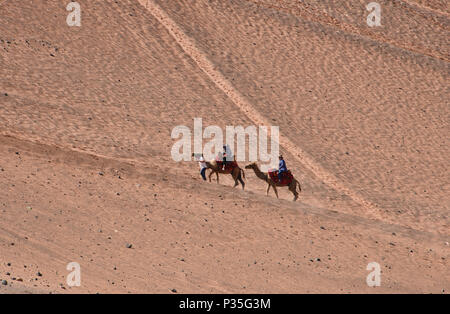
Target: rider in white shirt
[201, 163]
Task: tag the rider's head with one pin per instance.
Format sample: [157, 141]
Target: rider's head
[280, 157]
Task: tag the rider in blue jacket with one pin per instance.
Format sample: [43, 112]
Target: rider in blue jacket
[281, 167]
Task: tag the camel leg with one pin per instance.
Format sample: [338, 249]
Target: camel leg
[293, 188]
[268, 188]
[235, 178]
[210, 174]
[242, 181]
[241, 176]
[234, 175]
[217, 177]
[275, 189]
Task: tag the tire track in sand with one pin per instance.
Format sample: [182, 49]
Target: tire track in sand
[425, 8]
[189, 47]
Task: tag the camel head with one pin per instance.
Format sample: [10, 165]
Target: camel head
[253, 165]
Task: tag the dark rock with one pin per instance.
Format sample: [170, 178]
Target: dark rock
[4, 282]
[129, 246]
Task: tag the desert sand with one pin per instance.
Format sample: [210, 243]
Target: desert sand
[87, 176]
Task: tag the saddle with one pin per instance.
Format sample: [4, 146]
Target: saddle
[286, 177]
[229, 166]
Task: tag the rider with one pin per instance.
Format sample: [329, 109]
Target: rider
[201, 162]
[281, 167]
[226, 155]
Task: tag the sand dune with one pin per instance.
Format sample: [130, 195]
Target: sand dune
[86, 115]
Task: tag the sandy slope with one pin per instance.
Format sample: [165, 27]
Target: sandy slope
[85, 167]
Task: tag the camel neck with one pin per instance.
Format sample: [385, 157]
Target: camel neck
[259, 174]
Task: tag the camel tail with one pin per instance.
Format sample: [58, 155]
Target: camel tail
[243, 173]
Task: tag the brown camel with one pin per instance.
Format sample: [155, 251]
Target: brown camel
[264, 176]
[234, 171]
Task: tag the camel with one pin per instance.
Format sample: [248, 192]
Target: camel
[265, 176]
[235, 172]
